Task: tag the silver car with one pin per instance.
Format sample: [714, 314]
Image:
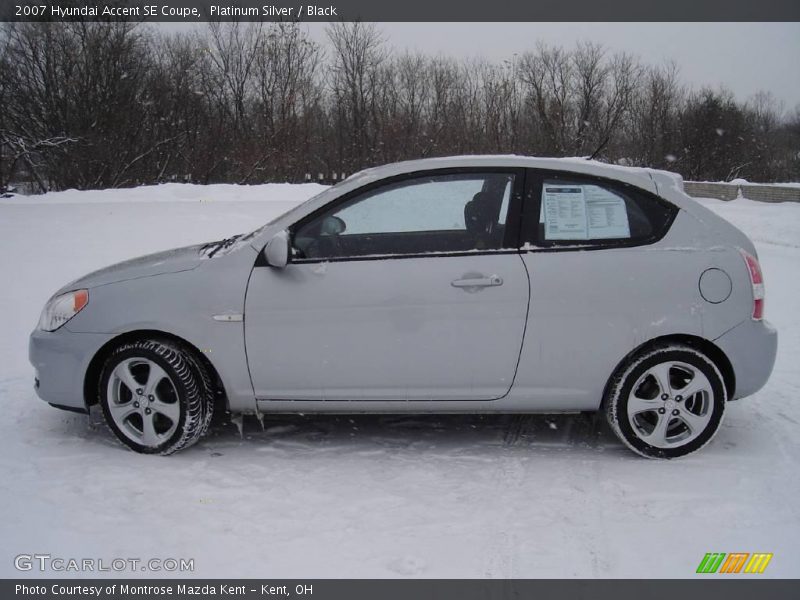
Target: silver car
[460, 285]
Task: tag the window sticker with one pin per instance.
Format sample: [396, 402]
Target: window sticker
[606, 214]
[564, 212]
[583, 212]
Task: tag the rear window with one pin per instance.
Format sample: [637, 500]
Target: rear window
[589, 213]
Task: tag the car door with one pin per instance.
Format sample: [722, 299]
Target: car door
[407, 289]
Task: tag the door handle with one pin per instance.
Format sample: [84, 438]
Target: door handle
[475, 282]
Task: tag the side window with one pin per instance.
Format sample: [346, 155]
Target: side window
[429, 214]
[589, 213]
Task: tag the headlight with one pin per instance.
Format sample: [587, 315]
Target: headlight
[62, 308]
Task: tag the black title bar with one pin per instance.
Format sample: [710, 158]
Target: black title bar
[196, 11]
[710, 588]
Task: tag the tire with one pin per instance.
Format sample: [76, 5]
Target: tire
[666, 402]
[207, 390]
[156, 397]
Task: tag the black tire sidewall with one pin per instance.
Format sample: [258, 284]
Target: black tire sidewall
[649, 360]
[206, 388]
[145, 353]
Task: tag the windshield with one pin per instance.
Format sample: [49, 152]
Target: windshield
[361, 177]
[291, 211]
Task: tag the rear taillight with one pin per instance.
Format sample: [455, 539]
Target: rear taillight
[757, 281]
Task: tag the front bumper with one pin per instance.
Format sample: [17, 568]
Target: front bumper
[61, 359]
[751, 347]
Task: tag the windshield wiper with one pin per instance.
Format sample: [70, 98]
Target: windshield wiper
[220, 245]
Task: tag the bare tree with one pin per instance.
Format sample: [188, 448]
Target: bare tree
[76, 103]
[358, 53]
[548, 75]
[651, 127]
[616, 98]
[112, 104]
[286, 92]
[232, 52]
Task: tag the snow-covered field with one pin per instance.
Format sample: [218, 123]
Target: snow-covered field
[375, 496]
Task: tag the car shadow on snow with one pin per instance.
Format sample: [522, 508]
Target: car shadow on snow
[472, 436]
[451, 433]
[365, 432]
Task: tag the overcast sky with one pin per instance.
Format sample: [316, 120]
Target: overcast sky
[745, 57]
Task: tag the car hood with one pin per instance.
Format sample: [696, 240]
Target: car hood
[160, 263]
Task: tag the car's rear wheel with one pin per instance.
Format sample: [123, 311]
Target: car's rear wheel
[666, 402]
[155, 396]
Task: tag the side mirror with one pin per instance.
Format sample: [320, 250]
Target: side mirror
[277, 250]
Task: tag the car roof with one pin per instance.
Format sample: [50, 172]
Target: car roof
[638, 176]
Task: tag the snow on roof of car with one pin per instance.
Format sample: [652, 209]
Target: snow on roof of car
[638, 176]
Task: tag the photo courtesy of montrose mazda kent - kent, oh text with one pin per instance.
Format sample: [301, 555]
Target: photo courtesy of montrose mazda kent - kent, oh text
[469, 284]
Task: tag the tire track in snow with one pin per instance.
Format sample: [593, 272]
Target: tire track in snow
[504, 544]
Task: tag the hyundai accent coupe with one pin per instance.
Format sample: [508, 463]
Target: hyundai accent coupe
[500, 284]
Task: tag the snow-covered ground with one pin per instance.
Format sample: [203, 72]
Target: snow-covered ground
[383, 496]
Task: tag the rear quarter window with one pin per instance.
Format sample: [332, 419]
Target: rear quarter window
[573, 211]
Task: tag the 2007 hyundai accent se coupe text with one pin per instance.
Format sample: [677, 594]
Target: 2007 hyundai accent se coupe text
[466, 284]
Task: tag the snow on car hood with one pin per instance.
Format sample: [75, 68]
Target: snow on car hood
[169, 261]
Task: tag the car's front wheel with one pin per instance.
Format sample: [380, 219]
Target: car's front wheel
[155, 396]
[666, 402]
